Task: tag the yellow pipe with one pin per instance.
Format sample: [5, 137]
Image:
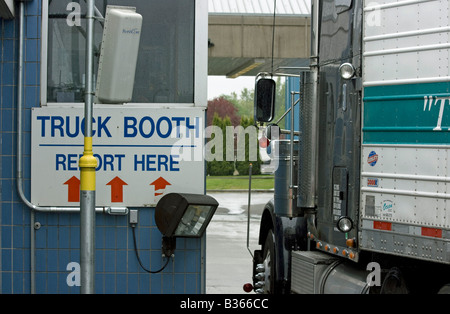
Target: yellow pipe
[88, 164]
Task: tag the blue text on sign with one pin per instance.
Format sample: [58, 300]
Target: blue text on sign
[144, 127]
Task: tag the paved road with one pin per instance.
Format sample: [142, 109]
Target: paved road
[228, 261]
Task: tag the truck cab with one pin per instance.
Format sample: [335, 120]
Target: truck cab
[359, 177]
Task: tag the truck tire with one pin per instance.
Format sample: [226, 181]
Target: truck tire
[269, 261]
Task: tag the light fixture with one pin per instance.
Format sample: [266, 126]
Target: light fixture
[347, 71]
[344, 224]
[183, 215]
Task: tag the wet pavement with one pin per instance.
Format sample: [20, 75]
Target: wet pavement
[228, 261]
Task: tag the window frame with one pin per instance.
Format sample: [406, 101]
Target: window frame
[200, 61]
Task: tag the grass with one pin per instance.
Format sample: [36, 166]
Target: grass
[259, 182]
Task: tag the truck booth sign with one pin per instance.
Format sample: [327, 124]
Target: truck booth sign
[141, 154]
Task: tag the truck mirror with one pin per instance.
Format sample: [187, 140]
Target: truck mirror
[264, 99]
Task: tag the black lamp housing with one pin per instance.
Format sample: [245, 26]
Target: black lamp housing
[184, 215]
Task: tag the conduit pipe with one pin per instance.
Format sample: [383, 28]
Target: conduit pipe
[19, 158]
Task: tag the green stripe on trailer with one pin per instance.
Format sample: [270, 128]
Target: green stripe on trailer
[407, 114]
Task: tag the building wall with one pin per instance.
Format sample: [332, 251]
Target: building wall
[57, 235]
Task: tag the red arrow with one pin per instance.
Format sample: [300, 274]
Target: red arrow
[117, 189]
[160, 184]
[74, 189]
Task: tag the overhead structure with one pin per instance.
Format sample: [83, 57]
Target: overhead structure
[241, 36]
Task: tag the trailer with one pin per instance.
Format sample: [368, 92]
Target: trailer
[362, 198]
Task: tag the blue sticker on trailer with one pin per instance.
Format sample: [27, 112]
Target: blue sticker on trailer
[373, 158]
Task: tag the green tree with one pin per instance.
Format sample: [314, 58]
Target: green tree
[220, 166]
[243, 166]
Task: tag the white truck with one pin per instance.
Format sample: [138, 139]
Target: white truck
[363, 203]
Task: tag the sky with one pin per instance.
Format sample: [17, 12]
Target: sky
[219, 85]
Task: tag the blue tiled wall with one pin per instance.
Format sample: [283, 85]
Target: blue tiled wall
[57, 240]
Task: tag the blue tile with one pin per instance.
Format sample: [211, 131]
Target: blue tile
[7, 166]
[9, 30]
[99, 260]
[167, 283]
[31, 100]
[7, 144]
[31, 51]
[75, 237]
[8, 73]
[8, 50]
[193, 243]
[64, 259]
[41, 279]
[133, 264]
[32, 8]
[7, 188]
[31, 73]
[192, 284]
[18, 237]
[156, 283]
[41, 238]
[156, 238]
[6, 283]
[64, 237]
[180, 284]
[52, 260]
[110, 283]
[6, 213]
[110, 238]
[100, 238]
[41, 260]
[32, 27]
[110, 261]
[121, 283]
[6, 237]
[52, 283]
[143, 238]
[8, 124]
[17, 279]
[192, 262]
[144, 283]
[179, 261]
[8, 97]
[121, 234]
[18, 260]
[133, 283]
[52, 237]
[121, 261]
[6, 260]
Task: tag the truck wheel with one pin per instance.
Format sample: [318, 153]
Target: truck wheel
[394, 283]
[445, 289]
[269, 264]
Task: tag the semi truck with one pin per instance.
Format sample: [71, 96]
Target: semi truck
[362, 186]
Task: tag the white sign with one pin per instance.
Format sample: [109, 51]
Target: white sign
[142, 154]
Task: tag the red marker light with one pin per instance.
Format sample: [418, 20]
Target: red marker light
[248, 287]
[264, 142]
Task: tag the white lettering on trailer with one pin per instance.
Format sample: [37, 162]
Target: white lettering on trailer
[429, 103]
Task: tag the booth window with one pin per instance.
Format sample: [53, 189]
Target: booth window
[165, 68]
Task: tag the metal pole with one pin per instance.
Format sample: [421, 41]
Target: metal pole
[88, 163]
[248, 208]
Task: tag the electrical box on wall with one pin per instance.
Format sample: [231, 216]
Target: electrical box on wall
[119, 53]
[7, 9]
